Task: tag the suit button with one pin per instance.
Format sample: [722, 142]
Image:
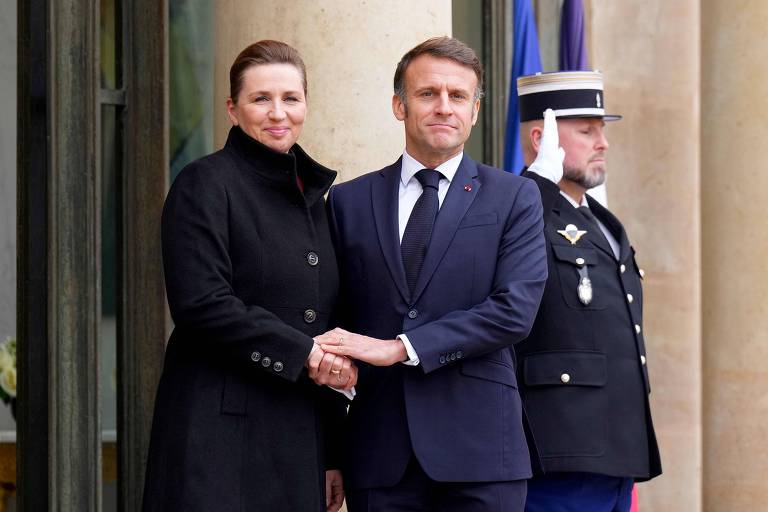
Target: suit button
[453, 356]
[565, 378]
[266, 362]
[642, 273]
[442, 359]
[413, 314]
[630, 298]
[255, 357]
[312, 258]
[310, 316]
[637, 329]
[579, 261]
[278, 366]
[623, 268]
[459, 354]
[642, 360]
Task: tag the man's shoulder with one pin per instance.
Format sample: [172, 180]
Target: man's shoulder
[502, 181]
[363, 182]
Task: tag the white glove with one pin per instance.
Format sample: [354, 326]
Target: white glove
[549, 161]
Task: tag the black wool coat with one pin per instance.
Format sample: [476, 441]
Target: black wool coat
[251, 277]
[583, 370]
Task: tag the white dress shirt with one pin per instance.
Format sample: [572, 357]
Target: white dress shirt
[409, 192]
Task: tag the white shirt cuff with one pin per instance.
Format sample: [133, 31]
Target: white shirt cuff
[349, 394]
[413, 357]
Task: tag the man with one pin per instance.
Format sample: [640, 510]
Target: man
[442, 271]
[582, 371]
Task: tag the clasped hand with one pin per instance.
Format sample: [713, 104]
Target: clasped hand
[328, 369]
[362, 348]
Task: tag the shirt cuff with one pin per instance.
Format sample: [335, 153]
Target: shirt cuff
[350, 394]
[413, 357]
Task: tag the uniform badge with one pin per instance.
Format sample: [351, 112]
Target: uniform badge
[585, 290]
[597, 99]
[572, 233]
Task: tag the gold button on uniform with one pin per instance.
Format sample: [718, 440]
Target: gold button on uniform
[630, 298]
[579, 261]
[642, 273]
[637, 329]
[565, 378]
[623, 268]
[642, 360]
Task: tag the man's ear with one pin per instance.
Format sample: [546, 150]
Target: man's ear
[398, 107]
[535, 136]
[475, 111]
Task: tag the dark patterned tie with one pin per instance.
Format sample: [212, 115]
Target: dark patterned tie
[419, 228]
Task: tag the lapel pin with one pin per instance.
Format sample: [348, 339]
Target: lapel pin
[572, 233]
[468, 188]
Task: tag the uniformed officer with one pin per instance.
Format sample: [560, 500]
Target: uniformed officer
[583, 369]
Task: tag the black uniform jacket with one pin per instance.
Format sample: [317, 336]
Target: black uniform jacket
[251, 276]
[583, 369]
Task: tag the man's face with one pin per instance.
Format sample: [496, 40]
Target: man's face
[440, 108]
[585, 145]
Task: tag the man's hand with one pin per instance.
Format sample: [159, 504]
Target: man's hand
[549, 160]
[363, 348]
[334, 490]
[328, 369]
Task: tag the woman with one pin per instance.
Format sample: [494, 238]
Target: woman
[251, 277]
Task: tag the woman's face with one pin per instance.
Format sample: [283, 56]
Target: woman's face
[271, 105]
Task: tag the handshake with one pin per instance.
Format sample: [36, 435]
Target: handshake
[331, 361]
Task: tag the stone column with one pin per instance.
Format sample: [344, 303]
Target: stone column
[734, 182]
[649, 54]
[351, 49]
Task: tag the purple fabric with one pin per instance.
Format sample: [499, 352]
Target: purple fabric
[573, 49]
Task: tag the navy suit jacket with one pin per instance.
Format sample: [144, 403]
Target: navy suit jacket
[458, 411]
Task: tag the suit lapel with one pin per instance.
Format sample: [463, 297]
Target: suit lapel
[455, 205]
[384, 199]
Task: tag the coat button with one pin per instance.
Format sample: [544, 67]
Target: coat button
[630, 298]
[642, 360]
[255, 356]
[413, 314]
[442, 359]
[565, 378]
[459, 354]
[453, 356]
[579, 261]
[623, 268]
[637, 329]
[310, 316]
[278, 366]
[312, 259]
[642, 273]
[266, 362]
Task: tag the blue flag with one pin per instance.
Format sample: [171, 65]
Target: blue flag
[525, 61]
[573, 50]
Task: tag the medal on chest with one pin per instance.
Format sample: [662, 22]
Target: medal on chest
[572, 233]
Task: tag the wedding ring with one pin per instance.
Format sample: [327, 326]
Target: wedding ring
[341, 340]
[336, 372]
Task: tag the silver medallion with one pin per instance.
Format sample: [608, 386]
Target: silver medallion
[585, 290]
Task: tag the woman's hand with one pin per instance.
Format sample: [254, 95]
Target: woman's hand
[334, 490]
[363, 348]
[328, 369]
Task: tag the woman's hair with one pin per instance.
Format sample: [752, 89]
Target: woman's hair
[263, 52]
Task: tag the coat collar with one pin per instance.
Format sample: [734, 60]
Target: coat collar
[461, 193]
[281, 169]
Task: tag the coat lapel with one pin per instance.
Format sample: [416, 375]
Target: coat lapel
[384, 199]
[455, 205]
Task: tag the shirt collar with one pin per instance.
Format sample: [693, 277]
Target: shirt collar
[411, 166]
[574, 203]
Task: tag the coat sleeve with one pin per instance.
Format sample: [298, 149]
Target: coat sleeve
[507, 314]
[198, 277]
